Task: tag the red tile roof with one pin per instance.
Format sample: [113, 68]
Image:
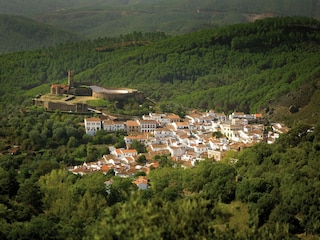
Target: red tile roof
[92, 119]
[131, 123]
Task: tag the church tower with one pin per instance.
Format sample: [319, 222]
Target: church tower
[71, 79]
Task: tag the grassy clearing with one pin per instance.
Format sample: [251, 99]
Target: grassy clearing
[235, 215]
[42, 89]
[98, 103]
[308, 113]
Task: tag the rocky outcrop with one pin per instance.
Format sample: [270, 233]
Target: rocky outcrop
[293, 109]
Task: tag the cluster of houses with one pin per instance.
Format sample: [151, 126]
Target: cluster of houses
[197, 136]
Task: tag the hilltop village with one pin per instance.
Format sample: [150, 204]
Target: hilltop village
[196, 137]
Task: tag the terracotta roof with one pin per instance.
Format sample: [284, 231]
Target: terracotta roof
[238, 113]
[173, 116]
[147, 121]
[108, 122]
[104, 168]
[195, 115]
[120, 151]
[162, 129]
[141, 180]
[182, 123]
[136, 137]
[132, 123]
[92, 119]
[200, 146]
[155, 164]
[220, 115]
[129, 150]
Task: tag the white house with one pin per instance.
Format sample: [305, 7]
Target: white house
[158, 147]
[200, 148]
[162, 133]
[237, 115]
[92, 125]
[119, 126]
[141, 182]
[108, 125]
[214, 144]
[180, 125]
[132, 126]
[195, 117]
[161, 118]
[221, 117]
[171, 117]
[154, 116]
[123, 153]
[192, 156]
[139, 138]
[216, 155]
[230, 130]
[210, 114]
[147, 125]
[279, 128]
[177, 151]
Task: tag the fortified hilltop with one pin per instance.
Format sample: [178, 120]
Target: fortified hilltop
[72, 97]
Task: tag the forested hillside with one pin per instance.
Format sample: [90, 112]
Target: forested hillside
[263, 192]
[270, 192]
[244, 67]
[21, 33]
[111, 18]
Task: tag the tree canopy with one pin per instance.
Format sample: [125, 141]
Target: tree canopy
[263, 192]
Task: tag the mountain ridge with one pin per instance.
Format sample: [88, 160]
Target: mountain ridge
[114, 18]
[22, 33]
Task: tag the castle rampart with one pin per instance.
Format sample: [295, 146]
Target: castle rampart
[61, 106]
[74, 89]
[113, 94]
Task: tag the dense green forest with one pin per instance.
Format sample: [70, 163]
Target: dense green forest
[272, 189]
[21, 33]
[264, 192]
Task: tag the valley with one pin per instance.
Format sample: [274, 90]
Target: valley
[183, 163]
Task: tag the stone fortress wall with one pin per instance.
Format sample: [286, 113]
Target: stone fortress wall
[75, 89]
[61, 106]
[114, 94]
